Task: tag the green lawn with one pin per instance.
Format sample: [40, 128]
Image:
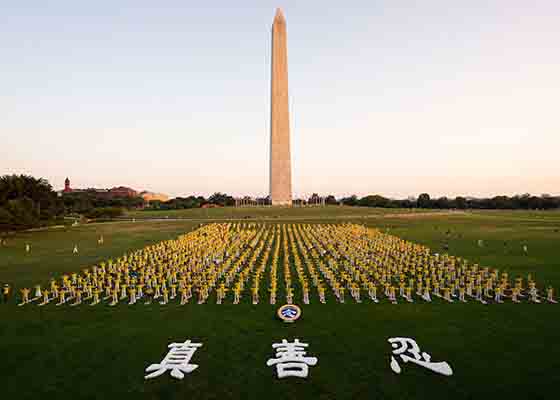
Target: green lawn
[273, 213]
[522, 214]
[503, 351]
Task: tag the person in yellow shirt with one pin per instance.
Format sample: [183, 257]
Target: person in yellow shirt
[498, 294]
[469, 288]
[65, 281]
[173, 287]
[165, 296]
[220, 293]
[479, 294]
[124, 295]
[419, 288]
[78, 300]
[202, 294]
[108, 291]
[533, 293]
[515, 294]
[408, 295]
[550, 295]
[436, 289]
[114, 297]
[272, 291]
[184, 297]
[89, 292]
[341, 290]
[71, 292]
[289, 295]
[132, 295]
[24, 296]
[446, 294]
[392, 294]
[426, 296]
[45, 297]
[61, 297]
[372, 292]
[157, 291]
[462, 294]
[305, 290]
[401, 288]
[96, 299]
[6, 290]
[489, 286]
[321, 291]
[255, 294]
[355, 288]
[139, 291]
[336, 288]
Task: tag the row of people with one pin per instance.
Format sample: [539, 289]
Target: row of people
[348, 261]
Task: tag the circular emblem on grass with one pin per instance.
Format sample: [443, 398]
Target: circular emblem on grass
[289, 312]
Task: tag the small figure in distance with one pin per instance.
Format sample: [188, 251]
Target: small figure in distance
[6, 291]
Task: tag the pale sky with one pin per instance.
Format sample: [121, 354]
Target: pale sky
[392, 97]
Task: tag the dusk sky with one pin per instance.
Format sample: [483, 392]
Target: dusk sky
[389, 97]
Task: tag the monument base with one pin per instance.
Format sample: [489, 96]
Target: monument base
[282, 203]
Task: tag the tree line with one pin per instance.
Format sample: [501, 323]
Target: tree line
[88, 201]
[181, 203]
[517, 202]
[27, 202]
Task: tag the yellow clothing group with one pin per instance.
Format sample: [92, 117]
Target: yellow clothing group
[251, 262]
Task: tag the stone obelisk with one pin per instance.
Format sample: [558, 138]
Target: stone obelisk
[280, 160]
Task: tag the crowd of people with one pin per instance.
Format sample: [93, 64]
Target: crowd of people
[291, 263]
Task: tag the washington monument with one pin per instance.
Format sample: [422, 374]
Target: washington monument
[280, 161]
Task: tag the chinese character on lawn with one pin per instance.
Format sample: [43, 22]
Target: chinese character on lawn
[290, 359]
[408, 350]
[177, 360]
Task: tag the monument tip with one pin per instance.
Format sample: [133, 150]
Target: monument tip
[279, 15]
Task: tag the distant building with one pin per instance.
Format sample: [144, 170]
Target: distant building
[120, 191]
[150, 196]
[209, 205]
[67, 187]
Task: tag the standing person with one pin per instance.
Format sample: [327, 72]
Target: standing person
[550, 295]
[6, 289]
[24, 296]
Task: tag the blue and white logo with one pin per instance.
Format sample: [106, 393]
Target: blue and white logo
[289, 312]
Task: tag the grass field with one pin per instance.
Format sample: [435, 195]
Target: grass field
[505, 351]
[334, 212]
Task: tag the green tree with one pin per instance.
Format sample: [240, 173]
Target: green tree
[350, 201]
[221, 199]
[26, 202]
[331, 200]
[374, 201]
[460, 203]
[424, 201]
[105, 212]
